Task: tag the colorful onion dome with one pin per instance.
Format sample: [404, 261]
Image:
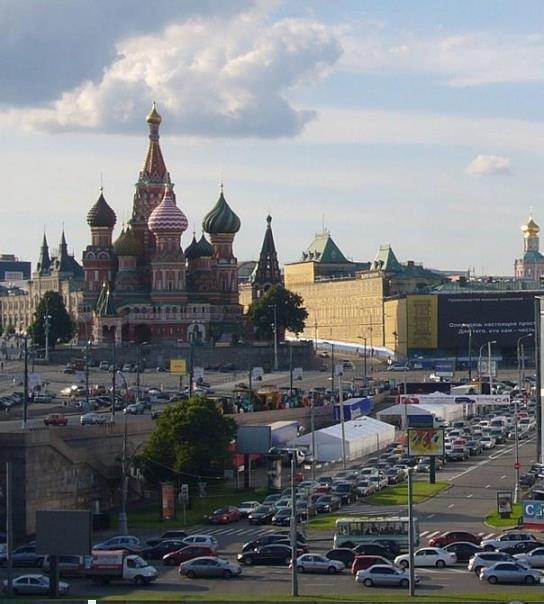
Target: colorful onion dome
[167, 217]
[206, 248]
[153, 117]
[127, 244]
[221, 218]
[101, 215]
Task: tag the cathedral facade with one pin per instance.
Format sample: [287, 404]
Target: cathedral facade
[144, 286]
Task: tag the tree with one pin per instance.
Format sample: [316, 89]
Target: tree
[191, 438]
[290, 313]
[61, 327]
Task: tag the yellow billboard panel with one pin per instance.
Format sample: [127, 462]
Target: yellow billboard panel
[422, 321]
[178, 366]
[425, 441]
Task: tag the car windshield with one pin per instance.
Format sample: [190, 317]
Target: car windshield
[262, 509]
[139, 562]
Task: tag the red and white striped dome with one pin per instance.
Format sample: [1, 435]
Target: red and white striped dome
[167, 217]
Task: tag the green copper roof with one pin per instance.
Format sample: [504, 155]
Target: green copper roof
[324, 250]
[533, 256]
[221, 218]
[386, 260]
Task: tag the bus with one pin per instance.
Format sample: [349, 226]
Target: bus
[352, 531]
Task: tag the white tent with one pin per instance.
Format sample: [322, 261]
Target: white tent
[363, 435]
[397, 414]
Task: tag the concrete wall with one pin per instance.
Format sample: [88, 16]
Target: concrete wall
[77, 466]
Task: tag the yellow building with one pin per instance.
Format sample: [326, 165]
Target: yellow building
[346, 301]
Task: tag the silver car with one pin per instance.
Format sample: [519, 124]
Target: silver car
[90, 419]
[31, 585]
[535, 558]
[209, 566]
[510, 572]
[384, 574]
[317, 563]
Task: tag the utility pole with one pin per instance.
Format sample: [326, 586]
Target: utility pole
[139, 360]
[489, 366]
[46, 327]
[275, 310]
[411, 535]
[290, 373]
[332, 372]
[341, 401]
[191, 362]
[365, 368]
[9, 529]
[25, 382]
[294, 576]
[123, 521]
[113, 384]
[312, 428]
[87, 373]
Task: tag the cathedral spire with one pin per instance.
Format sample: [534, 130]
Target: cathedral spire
[44, 261]
[267, 271]
[154, 169]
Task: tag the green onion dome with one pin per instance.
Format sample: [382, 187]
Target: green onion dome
[221, 218]
[127, 244]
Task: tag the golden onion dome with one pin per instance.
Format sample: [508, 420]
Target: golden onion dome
[531, 228]
[153, 117]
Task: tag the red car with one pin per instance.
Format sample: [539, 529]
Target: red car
[364, 562]
[452, 537]
[224, 515]
[187, 553]
[55, 419]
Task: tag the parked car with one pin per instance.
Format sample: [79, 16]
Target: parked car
[43, 397]
[89, 419]
[262, 514]
[345, 491]
[384, 575]
[327, 503]
[317, 563]
[484, 559]
[34, 585]
[207, 540]
[464, 550]
[363, 562]
[209, 566]
[267, 554]
[224, 515]
[55, 419]
[428, 556]
[178, 535]
[453, 536]
[135, 408]
[157, 552]
[506, 540]
[189, 552]
[522, 547]
[24, 556]
[246, 507]
[510, 572]
[270, 539]
[373, 549]
[343, 554]
[128, 542]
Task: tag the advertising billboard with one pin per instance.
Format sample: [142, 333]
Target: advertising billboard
[168, 501]
[178, 367]
[425, 441]
[533, 514]
[500, 316]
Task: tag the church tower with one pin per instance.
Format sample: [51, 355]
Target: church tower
[267, 270]
[531, 266]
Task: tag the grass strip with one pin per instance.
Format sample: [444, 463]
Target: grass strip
[398, 494]
[494, 519]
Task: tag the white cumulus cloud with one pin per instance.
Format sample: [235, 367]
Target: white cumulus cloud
[488, 165]
[223, 76]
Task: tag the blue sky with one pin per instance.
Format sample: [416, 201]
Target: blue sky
[417, 124]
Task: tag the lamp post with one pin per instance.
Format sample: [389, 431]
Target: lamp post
[516, 433]
[469, 350]
[365, 374]
[123, 521]
[274, 308]
[46, 327]
[113, 384]
[489, 365]
[191, 361]
[87, 346]
[138, 369]
[332, 371]
[290, 373]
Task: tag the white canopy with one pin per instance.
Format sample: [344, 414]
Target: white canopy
[363, 435]
[396, 414]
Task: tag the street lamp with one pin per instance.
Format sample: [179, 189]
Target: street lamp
[488, 344]
[341, 403]
[469, 350]
[364, 338]
[489, 365]
[274, 308]
[123, 520]
[138, 369]
[516, 434]
[87, 346]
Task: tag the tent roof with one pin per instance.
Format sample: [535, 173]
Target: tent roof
[354, 430]
[405, 410]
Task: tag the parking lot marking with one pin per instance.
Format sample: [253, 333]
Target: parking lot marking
[490, 536]
[503, 477]
[451, 505]
[487, 486]
[423, 533]
[470, 495]
[431, 535]
[430, 515]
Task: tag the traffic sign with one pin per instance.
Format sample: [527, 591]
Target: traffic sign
[517, 465]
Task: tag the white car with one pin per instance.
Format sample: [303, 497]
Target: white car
[246, 507]
[385, 575]
[34, 585]
[206, 540]
[488, 442]
[317, 563]
[428, 556]
[121, 542]
[93, 419]
[534, 559]
[506, 541]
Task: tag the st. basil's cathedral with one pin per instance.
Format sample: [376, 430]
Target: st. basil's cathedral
[144, 287]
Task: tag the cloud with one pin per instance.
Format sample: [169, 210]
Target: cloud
[50, 46]
[462, 60]
[213, 76]
[488, 165]
[352, 126]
